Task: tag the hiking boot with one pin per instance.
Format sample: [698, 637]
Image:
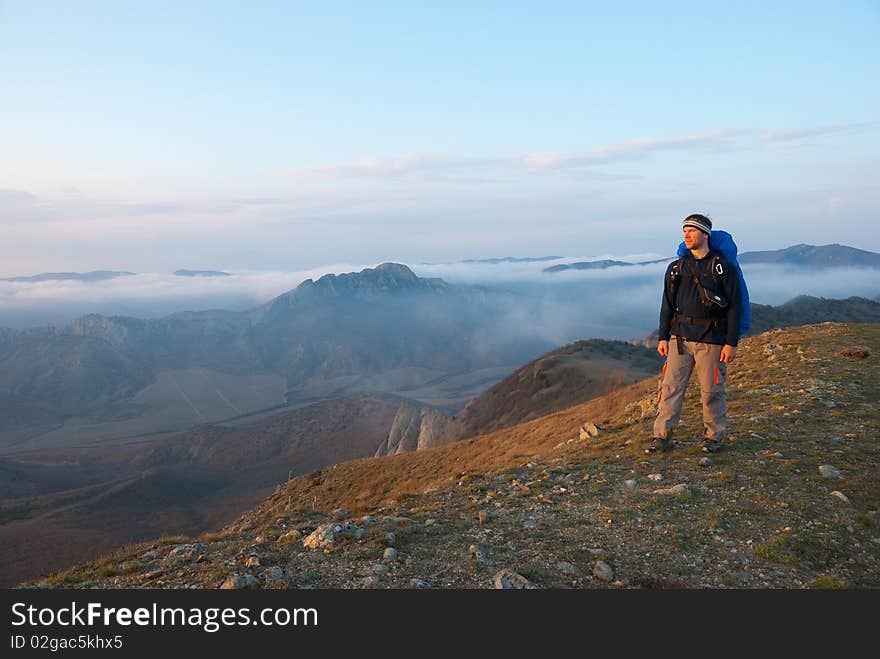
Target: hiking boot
[659, 445]
[711, 445]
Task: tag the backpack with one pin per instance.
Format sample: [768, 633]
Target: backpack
[722, 242]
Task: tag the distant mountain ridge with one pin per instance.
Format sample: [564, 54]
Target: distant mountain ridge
[95, 275]
[823, 256]
[803, 255]
[201, 273]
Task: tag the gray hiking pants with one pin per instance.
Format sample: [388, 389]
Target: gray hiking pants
[683, 356]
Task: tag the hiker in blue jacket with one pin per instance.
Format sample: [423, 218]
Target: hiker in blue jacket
[700, 325]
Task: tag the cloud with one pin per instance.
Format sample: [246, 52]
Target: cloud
[792, 135]
[445, 166]
[632, 150]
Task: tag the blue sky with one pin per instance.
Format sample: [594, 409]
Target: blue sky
[153, 136]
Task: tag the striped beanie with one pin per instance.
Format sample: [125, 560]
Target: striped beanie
[700, 222]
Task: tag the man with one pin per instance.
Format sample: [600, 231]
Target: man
[694, 333]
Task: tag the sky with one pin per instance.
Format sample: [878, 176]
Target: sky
[288, 136]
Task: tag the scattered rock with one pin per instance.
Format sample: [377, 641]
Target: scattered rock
[840, 495]
[705, 462]
[252, 561]
[380, 569]
[566, 567]
[530, 524]
[630, 485]
[340, 513]
[366, 520]
[655, 477]
[828, 471]
[391, 538]
[370, 582]
[602, 571]
[390, 554]
[419, 583]
[508, 579]
[150, 555]
[430, 522]
[777, 455]
[239, 581]
[586, 477]
[260, 539]
[859, 353]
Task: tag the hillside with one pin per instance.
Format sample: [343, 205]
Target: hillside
[792, 502]
[572, 374]
[806, 309]
[61, 507]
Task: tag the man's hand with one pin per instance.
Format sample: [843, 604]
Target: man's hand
[663, 348]
[728, 353]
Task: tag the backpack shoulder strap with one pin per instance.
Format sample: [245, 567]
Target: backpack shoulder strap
[675, 277]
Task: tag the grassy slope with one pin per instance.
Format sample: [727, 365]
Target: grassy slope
[758, 515]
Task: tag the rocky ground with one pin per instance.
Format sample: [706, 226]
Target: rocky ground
[791, 502]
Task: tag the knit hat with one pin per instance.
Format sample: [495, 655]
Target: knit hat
[700, 222]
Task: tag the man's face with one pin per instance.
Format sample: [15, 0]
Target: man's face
[694, 238]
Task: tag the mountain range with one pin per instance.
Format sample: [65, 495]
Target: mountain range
[801, 256]
[570, 500]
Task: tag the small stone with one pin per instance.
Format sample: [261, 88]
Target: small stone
[586, 477]
[289, 537]
[840, 495]
[430, 522]
[828, 471]
[602, 571]
[675, 490]
[588, 430]
[367, 520]
[630, 485]
[341, 513]
[370, 582]
[238, 581]
[705, 462]
[275, 573]
[260, 539]
[777, 455]
[390, 538]
[390, 554]
[150, 555]
[741, 577]
[508, 579]
[530, 524]
[419, 584]
[477, 554]
[566, 567]
[380, 569]
[252, 561]
[655, 477]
